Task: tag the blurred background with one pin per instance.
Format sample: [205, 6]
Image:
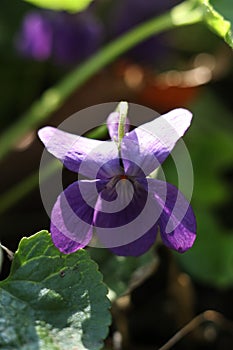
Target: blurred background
[190, 67]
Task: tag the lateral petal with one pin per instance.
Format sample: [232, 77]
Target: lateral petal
[72, 216]
[177, 221]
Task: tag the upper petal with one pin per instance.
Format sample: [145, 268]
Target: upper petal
[147, 146]
[177, 221]
[72, 216]
[80, 154]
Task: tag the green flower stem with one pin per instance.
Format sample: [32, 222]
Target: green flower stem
[183, 14]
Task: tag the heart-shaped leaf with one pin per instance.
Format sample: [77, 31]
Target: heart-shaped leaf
[51, 300]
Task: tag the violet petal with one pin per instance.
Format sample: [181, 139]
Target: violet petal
[138, 247]
[72, 216]
[127, 218]
[177, 221]
[119, 205]
[148, 146]
[91, 158]
[62, 242]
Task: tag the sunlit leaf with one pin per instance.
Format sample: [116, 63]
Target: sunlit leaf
[215, 20]
[66, 5]
[52, 300]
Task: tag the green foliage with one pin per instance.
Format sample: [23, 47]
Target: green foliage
[185, 13]
[1, 258]
[211, 147]
[216, 21]
[66, 5]
[211, 258]
[51, 300]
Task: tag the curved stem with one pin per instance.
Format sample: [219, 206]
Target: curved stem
[206, 316]
[183, 14]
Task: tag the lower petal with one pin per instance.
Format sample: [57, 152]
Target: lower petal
[177, 221]
[72, 216]
[129, 223]
[138, 247]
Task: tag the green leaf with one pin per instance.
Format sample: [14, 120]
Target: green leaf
[51, 300]
[1, 259]
[67, 5]
[216, 21]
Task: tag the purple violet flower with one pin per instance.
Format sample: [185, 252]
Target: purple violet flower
[119, 205]
[35, 37]
[58, 35]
